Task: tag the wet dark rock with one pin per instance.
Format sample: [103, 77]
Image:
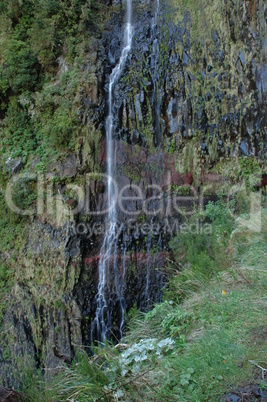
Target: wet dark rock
[233, 398]
[36, 161]
[15, 165]
[244, 148]
[208, 96]
[242, 59]
[248, 393]
[221, 56]
[111, 59]
[218, 96]
[215, 36]
[185, 59]
[220, 147]
[203, 147]
[66, 168]
[9, 395]
[135, 137]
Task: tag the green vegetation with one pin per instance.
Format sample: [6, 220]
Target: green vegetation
[202, 254]
[200, 341]
[42, 46]
[249, 171]
[203, 340]
[36, 101]
[11, 227]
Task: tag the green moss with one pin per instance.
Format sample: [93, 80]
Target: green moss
[249, 170]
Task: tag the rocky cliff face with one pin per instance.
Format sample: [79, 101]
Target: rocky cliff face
[191, 111]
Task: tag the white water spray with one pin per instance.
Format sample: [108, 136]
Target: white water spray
[154, 66]
[155, 19]
[102, 319]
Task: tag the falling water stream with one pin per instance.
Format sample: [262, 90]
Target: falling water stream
[108, 252]
[148, 264]
[154, 68]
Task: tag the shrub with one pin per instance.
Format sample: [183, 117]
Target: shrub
[18, 133]
[20, 68]
[200, 256]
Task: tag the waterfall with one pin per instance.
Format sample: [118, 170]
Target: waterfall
[155, 19]
[102, 319]
[148, 265]
[154, 68]
[123, 276]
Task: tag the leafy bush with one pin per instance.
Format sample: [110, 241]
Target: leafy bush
[54, 22]
[5, 274]
[20, 68]
[249, 171]
[221, 215]
[199, 255]
[11, 227]
[130, 360]
[56, 116]
[18, 132]
[33, 35]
